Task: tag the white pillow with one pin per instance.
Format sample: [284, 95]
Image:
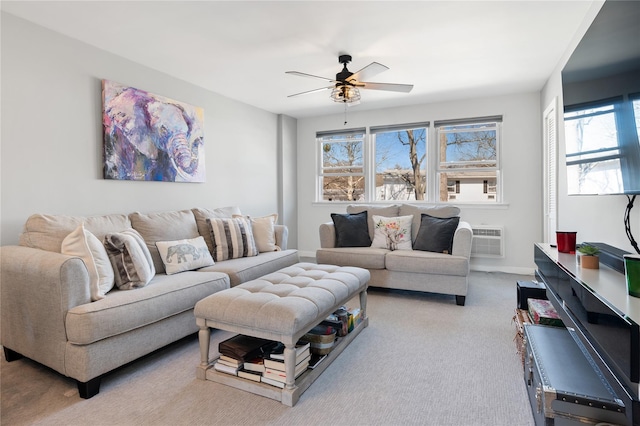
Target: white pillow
[184, 255]
[392, 233]
[264, 231]
[88, 247]
[130, 258]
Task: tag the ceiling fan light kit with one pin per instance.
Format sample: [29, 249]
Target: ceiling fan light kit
[345, 88]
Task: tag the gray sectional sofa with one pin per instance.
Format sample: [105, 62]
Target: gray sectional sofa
[49, 313]
[417, 270]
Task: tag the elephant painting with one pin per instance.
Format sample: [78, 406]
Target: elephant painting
[181, 251]
[148, 137]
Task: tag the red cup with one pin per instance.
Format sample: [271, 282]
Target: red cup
[566, 241]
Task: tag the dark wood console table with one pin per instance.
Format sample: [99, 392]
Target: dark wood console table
[595, 304]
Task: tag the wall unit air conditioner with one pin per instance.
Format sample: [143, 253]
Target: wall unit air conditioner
[488, 241]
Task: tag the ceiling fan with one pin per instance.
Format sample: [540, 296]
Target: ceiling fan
[345, 86]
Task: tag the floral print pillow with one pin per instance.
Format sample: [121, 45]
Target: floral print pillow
[392, 233]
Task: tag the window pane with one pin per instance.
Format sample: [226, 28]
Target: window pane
[343, 188]
[400, 164]
[468, 146]
[341, 154]
[469, 186]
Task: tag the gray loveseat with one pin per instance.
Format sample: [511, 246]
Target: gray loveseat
[416, 270]
[47, 310]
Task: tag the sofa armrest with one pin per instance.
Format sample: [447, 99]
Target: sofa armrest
[462, 240]
[282, 236]
[38, 288]
[327, 235]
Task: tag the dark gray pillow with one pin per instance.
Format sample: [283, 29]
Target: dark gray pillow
[436, 234]
[352, 230]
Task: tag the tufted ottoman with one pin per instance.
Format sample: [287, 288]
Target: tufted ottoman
[281, 306]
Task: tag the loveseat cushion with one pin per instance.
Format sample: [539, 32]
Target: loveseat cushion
[436, 234]
[435, 211]
[351, 229]
[164, 226]
[426, 262]
[374, 209]
[362, 257]
[46, 232]
[123, 311]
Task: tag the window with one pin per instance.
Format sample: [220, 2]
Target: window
[400, 162]
[392, 163]
[593, 153]
[468, 156]
[342, 175]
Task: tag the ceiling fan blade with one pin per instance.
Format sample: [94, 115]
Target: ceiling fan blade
[311, 91]
[374, 68]
[301, 74]
[406, 88]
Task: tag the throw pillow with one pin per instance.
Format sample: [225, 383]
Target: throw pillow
[264, 232]
[351, 229]
[88, 247]
[436, 234]
[231, 238]
[130, 258]
[392, 233]
[184, 255]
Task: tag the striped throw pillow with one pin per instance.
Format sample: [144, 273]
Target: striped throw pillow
[231, 238]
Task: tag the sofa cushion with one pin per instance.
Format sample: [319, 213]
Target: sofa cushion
[249, 268]
[130, 259]
[436, 234]
[435, 211]
[46, 232]
[232, 238]
[373, 209]
[163, 226]
[426, 262]
[123, 311]
[85, 245]
[392, 233]
[184, 255]
[202, 214]
[351, 229]
[264, 231]
[362, 257]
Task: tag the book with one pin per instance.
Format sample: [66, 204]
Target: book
[300, 348]
[272, 382]
[245, 347]
[255, 364]
[225, 368]
[543, 312]
[230, 361]
[281, 376]
[230, 364]
[251, 375]
[275, 364]
[315, 360]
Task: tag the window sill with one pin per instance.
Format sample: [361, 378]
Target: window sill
[463, 206]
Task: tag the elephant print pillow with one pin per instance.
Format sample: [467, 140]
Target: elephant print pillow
[184, 255]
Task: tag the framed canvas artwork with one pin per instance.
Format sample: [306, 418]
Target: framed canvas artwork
[150, 137]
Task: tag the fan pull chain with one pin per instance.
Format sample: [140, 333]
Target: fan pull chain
[345, 114]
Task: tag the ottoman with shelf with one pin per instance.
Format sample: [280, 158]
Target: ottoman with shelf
[281, 306]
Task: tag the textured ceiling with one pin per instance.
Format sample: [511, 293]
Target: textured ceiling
[447, 49]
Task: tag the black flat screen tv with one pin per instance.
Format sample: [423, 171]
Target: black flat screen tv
[601, 97]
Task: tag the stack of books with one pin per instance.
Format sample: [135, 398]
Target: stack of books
[239, 350]
[275, 374]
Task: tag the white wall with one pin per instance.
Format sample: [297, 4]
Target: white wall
[51, 152]
[521, 164]
[595, 218]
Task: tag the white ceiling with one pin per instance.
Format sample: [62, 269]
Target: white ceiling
[447, 49]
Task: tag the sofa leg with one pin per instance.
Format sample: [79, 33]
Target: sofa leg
[460, 300]
[89, 389]
[11, 355]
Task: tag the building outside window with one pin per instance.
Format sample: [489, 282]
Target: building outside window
[468, 158]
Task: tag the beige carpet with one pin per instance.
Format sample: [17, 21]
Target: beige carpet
[422, 360]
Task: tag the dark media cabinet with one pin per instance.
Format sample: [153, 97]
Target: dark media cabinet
[595, 307]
